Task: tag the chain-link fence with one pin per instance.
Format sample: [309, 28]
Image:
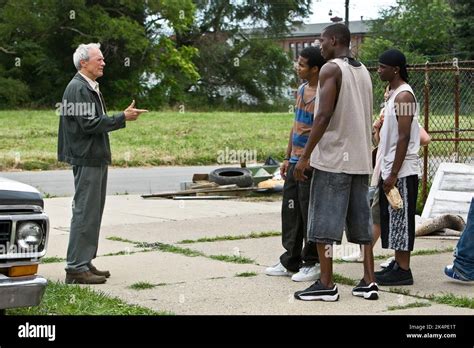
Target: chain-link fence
[445, 94]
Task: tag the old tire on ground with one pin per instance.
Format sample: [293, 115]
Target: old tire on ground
[232, 176]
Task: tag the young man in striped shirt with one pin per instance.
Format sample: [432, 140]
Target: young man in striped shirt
[302, 263]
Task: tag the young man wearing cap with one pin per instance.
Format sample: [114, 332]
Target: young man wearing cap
[399, 146]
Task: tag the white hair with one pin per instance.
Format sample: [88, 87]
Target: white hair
[82, 53]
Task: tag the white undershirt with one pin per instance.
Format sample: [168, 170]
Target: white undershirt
[389, 139]
[95, 86]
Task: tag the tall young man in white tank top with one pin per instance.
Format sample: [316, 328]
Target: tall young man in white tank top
[399, 146]
[342, 164]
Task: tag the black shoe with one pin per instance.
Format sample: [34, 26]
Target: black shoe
[318, 291]
[369, 292]
[386, 269]
[396, 276]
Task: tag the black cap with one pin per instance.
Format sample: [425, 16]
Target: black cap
[394, 57]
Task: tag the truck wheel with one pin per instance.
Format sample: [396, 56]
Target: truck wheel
[232, 176]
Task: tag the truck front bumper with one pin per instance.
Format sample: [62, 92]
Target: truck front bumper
[21, 291]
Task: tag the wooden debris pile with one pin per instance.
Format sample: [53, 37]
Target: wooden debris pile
[202, 188]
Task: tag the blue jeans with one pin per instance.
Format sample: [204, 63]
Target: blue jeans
[464, 252]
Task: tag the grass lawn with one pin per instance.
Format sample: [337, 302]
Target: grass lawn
[28, 139]
[65, 299]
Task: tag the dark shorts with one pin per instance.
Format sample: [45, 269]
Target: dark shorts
[339, 201]
[398, 226]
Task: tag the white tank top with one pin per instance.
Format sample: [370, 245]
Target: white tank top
[389, 138]
[346, 145]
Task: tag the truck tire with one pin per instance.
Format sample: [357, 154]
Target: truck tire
[232, 176]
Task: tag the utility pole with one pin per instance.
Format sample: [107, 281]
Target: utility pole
[347, 14]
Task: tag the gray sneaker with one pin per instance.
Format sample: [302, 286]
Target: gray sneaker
[307, 274]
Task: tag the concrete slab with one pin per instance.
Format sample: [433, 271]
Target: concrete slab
[198, 285]
[58, 242]
[154, 267]
[259, 295]
[118, 210]
[174, 231]
[266, 251]
[132, 209]
[434, 309]
[427, 273]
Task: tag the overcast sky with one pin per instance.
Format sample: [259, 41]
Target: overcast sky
[367, 8]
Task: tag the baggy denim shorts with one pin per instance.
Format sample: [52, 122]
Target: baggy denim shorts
[338, 202]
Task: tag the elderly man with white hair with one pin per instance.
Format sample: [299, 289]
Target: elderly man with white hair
[83, 142]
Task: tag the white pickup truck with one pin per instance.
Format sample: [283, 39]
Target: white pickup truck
[24, 230]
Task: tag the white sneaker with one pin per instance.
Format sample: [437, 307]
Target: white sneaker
[387, 262]
[356, 257]
[278, 270]
[306, 274]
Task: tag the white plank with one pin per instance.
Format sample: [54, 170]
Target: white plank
[457, 182]
[451, 191]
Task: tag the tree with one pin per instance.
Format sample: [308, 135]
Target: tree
[238, 59]
[464, 27]
[39, 37]
[155, 50]
[422, 29]
[245, 71]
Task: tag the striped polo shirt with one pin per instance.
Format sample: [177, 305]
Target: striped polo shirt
[304, 115]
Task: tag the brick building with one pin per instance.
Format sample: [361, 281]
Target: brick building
[304, 35]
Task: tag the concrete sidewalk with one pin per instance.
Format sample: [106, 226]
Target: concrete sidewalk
[203, 285]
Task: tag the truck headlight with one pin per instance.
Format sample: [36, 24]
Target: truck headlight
[29, 235]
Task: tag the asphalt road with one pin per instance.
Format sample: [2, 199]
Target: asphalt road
[121, 180]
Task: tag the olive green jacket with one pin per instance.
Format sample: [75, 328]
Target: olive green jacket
[83, 137]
